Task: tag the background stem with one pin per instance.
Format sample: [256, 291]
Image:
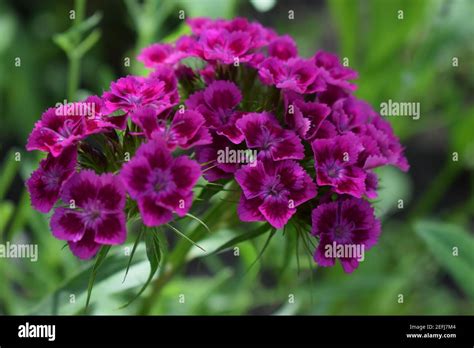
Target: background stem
[74, 69]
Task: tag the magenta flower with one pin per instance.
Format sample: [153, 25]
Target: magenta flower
[45, 183]
[336, 164]
[283, 47]
[185, 130]
[218, 103]
[259, 35]
[256, 132]
[93, 215]
[160, 183]
[97, 117]
[272, 191]
[53, 133]
[304, 117]
[350, 114]
[208, 156]
[67, 124]
[333, 72]
[348, 222]
[167, 76]
[295, 74]
[157, 54]
[371, 185]
[263, 132]
[384, 147]
[225, 47]
[131, 93]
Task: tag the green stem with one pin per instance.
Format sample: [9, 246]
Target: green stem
[177, 259]
[74, 69]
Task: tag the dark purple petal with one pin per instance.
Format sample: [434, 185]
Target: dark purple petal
[67, 224]
[277, 211]
[185, 173]
[288, 146]
[248, 209]
[81, 188]
[185, 125]
[251, 179]
[283, 47]
[111, 194]
[156, 153]
[152, 213]
[135, 176]
[85, 248]
[111, 229]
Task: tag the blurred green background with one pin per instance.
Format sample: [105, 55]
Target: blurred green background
[409, 59]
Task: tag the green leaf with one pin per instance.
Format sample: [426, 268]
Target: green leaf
[441, 238]
[185, 237]
[243, 237]
[86, 25]
[8, 172]
[109, 289]
[199, 221]
[260, 254]
[153, 253]
[98, 262]
[87, 43]
[68, 41]
[137, 241]
[462, 140]
[6, 210]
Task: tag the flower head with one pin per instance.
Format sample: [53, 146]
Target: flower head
[304, 117]
[336, 164]
[94, 214]
[160, 183]
[263, 132]
[208, 156]
[97, 117]
[45, 183]
[132, 93]
[259, 35]
[333, 72]
[349, 115]
[218, 103]
[185, 130]
[272, 191]
[224, 46]
[55, 132]
[384, 146]
[346, 222]
[283, 47]
[295, 74]
[158, 54]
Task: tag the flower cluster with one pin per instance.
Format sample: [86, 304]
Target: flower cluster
[230, 85]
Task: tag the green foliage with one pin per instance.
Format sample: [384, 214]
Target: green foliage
[453, 248]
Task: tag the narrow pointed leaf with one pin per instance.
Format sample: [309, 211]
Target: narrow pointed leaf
[98, 262]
